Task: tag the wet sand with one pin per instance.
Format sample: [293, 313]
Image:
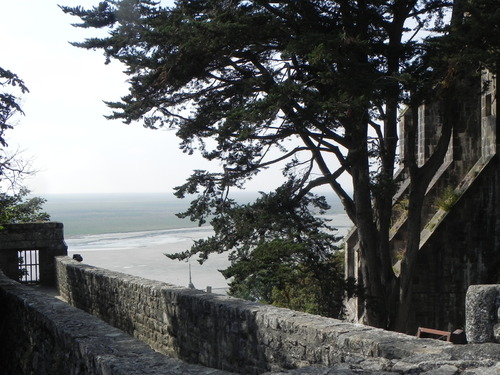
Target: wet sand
[142, 254]
[150, 262]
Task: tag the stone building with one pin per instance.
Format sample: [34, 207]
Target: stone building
[460, 238]
[28, 251]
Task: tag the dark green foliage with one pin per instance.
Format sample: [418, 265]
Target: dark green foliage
[20, 208]
[312, 86]
[476, 34]
[281, 251]
[286, 274]
[253, 75]
[22, 272]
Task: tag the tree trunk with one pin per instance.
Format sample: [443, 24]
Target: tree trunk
[408, 265]
[373, 266]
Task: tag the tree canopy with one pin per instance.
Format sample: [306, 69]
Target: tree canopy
[9, 103]
[21, 208]
[17, 206]
[12, 166]
[281, 251]
[315, 86]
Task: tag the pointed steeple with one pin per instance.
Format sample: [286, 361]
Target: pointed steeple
[190, 285]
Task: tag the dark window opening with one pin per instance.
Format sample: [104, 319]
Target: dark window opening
[487, 105]
[28, 266]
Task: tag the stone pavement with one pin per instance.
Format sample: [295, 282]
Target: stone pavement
[471, 359]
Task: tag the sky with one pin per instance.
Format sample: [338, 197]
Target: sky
[72, 146]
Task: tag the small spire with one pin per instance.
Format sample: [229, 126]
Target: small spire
[190, 285]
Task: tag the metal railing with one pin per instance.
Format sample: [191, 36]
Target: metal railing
[29, 266]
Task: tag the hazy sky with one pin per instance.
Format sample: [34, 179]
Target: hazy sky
[75, 149]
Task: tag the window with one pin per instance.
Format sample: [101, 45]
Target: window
[487, 105]
[28, 266]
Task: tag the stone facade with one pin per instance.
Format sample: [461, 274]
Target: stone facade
[244, 337]
[47, 238]
[459, 245]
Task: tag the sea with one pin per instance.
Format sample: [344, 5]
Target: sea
[131, 233]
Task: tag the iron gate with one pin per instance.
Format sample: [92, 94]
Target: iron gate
[29, 266]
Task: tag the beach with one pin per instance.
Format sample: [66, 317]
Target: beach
[130, 233]
[142, 254]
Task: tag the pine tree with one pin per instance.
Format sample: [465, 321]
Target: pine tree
[316, 85]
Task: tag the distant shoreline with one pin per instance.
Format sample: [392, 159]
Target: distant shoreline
[131, 233]
[86, 214]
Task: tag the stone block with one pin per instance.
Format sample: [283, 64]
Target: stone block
[442, 370]
[481, 309]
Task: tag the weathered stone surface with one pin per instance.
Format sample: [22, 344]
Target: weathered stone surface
[240, 336]
[43, 335]
[482, 304]
[46, 237]
[23, 236]
[459, 246]
[493, 370]
[442, 370]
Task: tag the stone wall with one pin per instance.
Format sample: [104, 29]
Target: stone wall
[45, 336]
[235, 335]
[462, 250]
[47, 238]
[459, 247]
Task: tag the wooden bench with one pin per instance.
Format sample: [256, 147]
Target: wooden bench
[456, 337]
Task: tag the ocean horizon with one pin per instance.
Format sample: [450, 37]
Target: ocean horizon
[130, 233]
[87, 214]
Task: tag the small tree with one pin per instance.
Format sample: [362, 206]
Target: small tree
[281, 252]
[21, 208]
[17, 206]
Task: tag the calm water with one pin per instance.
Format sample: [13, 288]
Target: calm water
[84, 214]
[130, 233]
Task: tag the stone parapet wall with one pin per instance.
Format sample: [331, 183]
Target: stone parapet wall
[45, 336]
[33, 236]
[235, 335]
[46, 237]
